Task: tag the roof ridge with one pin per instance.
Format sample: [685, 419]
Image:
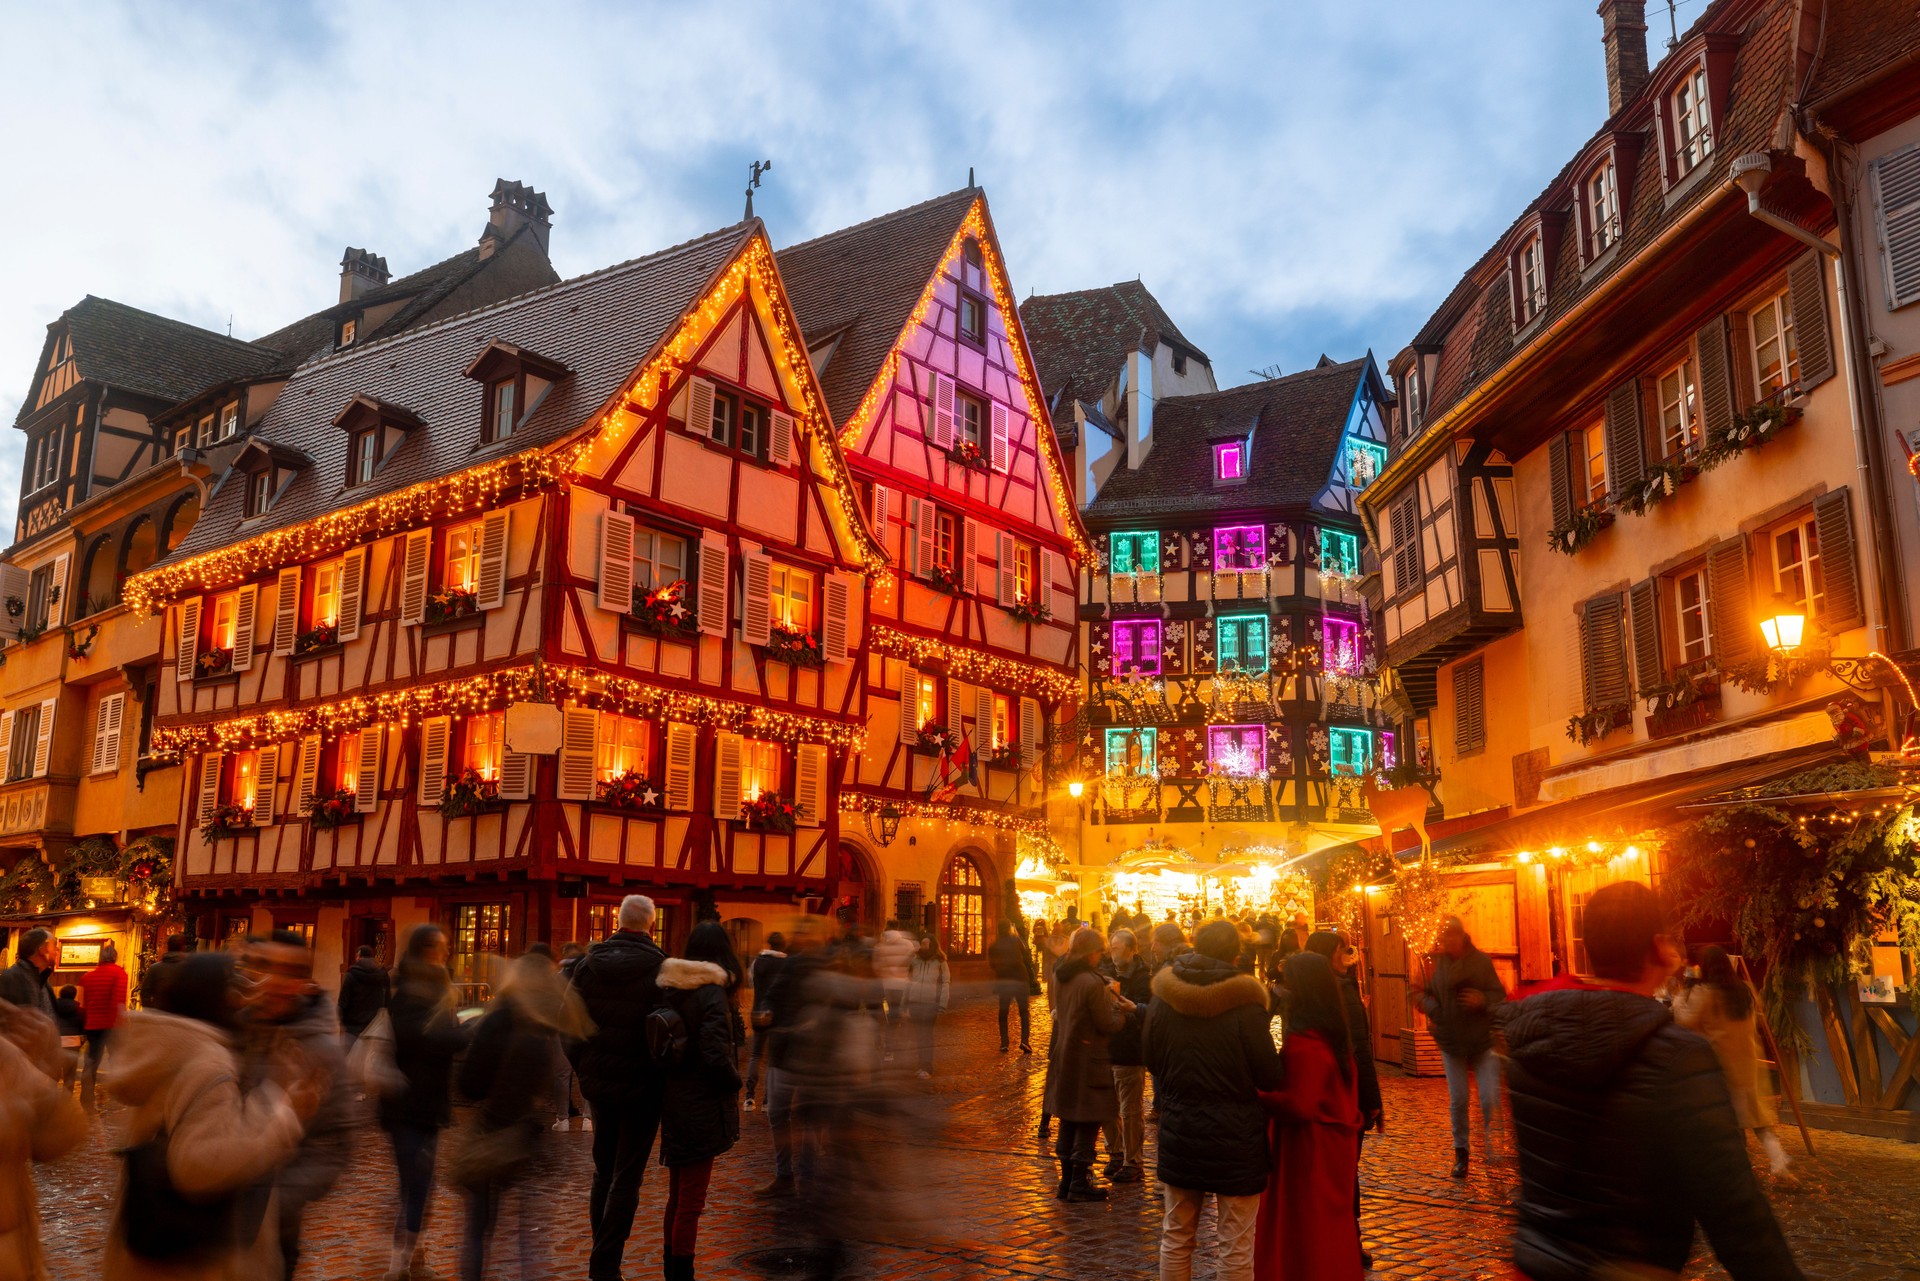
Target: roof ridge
[1296, 375]
[972, 192]
[249, 344]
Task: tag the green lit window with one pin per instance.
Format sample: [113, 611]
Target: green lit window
[1365, 460]
[1339, 553]
[1350, 751]
[1241, 640]
[1135, 553]
[1131, 753]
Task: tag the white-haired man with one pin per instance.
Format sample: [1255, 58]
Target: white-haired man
[618, 1077]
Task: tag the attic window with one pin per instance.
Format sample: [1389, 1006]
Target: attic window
[1602, 209]
[516, 381]
[1179, 362]
[973, 317]
[259, 491]
[970, 252]
[1692, 131]
[501, 397]
[347, 328]
[1230, 463]
[1529, 280]
[363, 455]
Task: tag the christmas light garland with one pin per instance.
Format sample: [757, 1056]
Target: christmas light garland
[973, 666]
[952, 813]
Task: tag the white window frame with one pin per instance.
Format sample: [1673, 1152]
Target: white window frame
[1808, 564]
[1531, 268]
[1692, 129]
[1678, 393]
[1778, 310]
[791, 593]
[462, 570]
[1692, 651]
[648, 546]
[1603, 208]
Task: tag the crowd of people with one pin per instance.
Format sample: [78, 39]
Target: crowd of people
[241, 1083]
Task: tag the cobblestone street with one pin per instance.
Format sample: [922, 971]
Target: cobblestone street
[982, 1189]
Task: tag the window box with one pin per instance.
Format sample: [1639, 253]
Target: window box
[942, 579]
[664, 612]
[213, 662]
[1592, 726]
[1690, 699]
[937, 738]
[1663, 482]
[966, 453]
[324, 636]
[631, 791]
[1750, 430]
[227, 821]
[770, 813]
[470, 794]
[1585, 526]
[325, 813]
[450, 604]
[790, 645]
[1029, 611]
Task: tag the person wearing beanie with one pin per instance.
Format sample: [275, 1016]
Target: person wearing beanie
[1080, 1087]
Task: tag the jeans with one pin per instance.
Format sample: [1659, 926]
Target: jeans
[923, 1022]
[483, 1215]
[623, 1135]
[686, 1198]
[1236, 1217]
[780, 1120]
[1012, 991]
[1129, 1087]
[563, 1087]
[96, 1046]
[1076, 1141]
[413, 1152]
[756, 1057]
[895, 995]
[1484, 1068]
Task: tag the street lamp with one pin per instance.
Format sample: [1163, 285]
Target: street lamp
[1075, 788]
[1785, 627]
[888, 826]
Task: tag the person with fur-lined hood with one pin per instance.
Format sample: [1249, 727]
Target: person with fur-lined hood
[1209, 1049]
[39, 1121]
[700, 1109]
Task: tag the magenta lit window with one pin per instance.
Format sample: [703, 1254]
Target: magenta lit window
[1389, 755]
[1340, 646]
[1238, 751]
[1237, 547]
[1136, 647]
[1230, 461]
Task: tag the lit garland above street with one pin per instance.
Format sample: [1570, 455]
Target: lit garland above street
[952, 813]
[973, 666]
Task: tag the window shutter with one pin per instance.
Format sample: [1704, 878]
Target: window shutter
[209, 799]
[43, 745]
[681, 741]
[712, 588]
[982, 720]
[491, 591]
[1643, 610]
[920, 517]
[616, 563]
[810, 784]
[266, 787]
[14, 582]
[1560, 479]
[1839, 563]
[286, 610]
[910, 706]
[943, 428]
[436, 735]
[756, 604]
[6, 744]
[970, 557]
[700, 406]
[1734, 630]
[1406, 543]
[246, 609]
[728, 751]
[1469, 707]
[780, 439]
[1603, 655]
[1812, 338]
[187, 642]
[1716, 378]
[579, 743]
[1009, 585]
[366, 781]
[306, 779]
[1626, 451]
[1002, 455]
[106, 734]
[413, 575]
[955, 708]
[882, 512]
[57, 598]
[353, 589]
[836, 601]
[1896, 198]
[1029, 732]
[516, 776]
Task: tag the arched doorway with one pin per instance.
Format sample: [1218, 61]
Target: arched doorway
[962, 908]
[140, 548]
[855, 889]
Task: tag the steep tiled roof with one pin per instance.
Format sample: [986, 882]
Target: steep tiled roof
[1296, 422]
[601, 326]
[1081, 339]
[1863, 37]
[137, 351]
[861, 283]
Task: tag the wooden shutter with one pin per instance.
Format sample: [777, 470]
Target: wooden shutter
[187, 640]
[1029, 732]
[955, 708]
[353, 589]
[6, 744]
[810, 783]
[729, 749]
[910, 706]
[982, 720]
[1469, 707]
[579, 744]
[43, 744]
[1715, 345]
[700, 406]
[882, 512]
[306, 778]
[266, 786]
[780, 439]
[366, 781]
[1735, 632]
[1643, 611]
[1896, 199]
[756, 601]
[57, 596]
[1626, 443]
[1812, 336]
[616, 563]
[836, 609]
[681, 742]
[106, 734]
[14, 582]
[712, 588]
[943, 428]
[436, 745]
[286, 610]
[209, 798]
[1004, 565]
[516, 776]
[1405, 528]
[920, 521]
[1839, 562]
[1001, 458]
[1602, 653]
[970, 556]
[246, 610]
[415, 557]
[1560, 482]
[491, 591]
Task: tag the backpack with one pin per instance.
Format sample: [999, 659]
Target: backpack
[666, 1035]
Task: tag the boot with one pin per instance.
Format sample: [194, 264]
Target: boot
[679, 1267]
[1083, 1187]
[418, 1270]
[782, 1186]
[1459, 1163]
[1066, 1180]
[1046, 1125]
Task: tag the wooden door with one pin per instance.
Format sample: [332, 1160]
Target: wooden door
[1386, 962]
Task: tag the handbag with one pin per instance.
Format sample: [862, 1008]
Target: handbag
[159, 1222]
[484, 1157]
[370, 1062]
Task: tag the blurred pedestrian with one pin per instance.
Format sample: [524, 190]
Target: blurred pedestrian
[365, 990]
[791, 1008]
[1314, 1133]
[929, 984]
[178, 948]
[1012, 983]
[39, 1121]
[1129, 976]
[1294, 937]
[1169, 941]
[70, 1021]
[1719, 1006]
[1080, 1090]
[618, 1077]
[25, 982]
[426, 1037]
[1041, 932]
[567, 1102]
[1625, 1130]
[700, 1114]
[1341, 955]
[766, 968]
[103, 996]
[892, 956]
[1210, 1051]
[1458, 992]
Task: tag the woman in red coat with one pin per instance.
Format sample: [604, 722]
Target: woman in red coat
[1305, 1231]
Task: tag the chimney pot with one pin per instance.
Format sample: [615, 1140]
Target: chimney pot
[515, 205]
[1623, 30]
[361, 271]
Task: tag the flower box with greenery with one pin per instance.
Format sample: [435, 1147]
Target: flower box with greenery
[450, 603]
[80, 643]
[967, 454]
[1768, 670]
[213, 661]
[791, 645]
[770, 813]
[227, 820]
[942, 579]
[320, 636]
[1002, 756]
[468, 793]
[1596, 723]
[1029, 611]
[631, 791]
[1684, 688]
[1584, 526]
[937, 739]
[1663, 482]
[664, 611]
[325, 813]
[1751, 429]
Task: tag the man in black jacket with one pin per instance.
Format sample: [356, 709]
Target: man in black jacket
[1130, 976]
[618, 1077]
[25, 981]
[766, 971]
[1012, 982]
[364, 992]
[1626, 1134]
[1459, 995]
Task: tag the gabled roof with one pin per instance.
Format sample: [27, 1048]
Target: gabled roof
[861, 283]
[1081, 339]
[137, 351]
[1296, 423]
[1863, 39]
[602, 326]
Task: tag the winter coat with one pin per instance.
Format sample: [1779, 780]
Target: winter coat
[1209, 1048]
[928, 984]
[616, 981]
[364, 992]
[508, 1073]
[155, 976]
[68, 1016]
[1460, 1031]
[182, 1076]
[1305, 1227]
[1626, 1139]
[328, 1142]
[766, 969]
[891, 957]
[103, 993]
[1011, 961]
[426, 1037]
[24, 983]
[1080, 1085]
[1702, 1007]
[1136, 984]
[700, 1108]
[1360, 1032]
[39, 1121]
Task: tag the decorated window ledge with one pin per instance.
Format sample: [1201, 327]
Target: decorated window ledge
[451, 604]
[227, 821]
[1029, 611]
[631, 790]
[792, 645]
[336, 809]
[769, 812]
[664, 611]
[322, 636]
[470, 793]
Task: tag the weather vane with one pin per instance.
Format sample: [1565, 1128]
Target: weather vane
[753, 180]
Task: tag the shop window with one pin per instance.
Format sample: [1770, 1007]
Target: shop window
[963, 908]
[1239, 547]
[479, 930]
[1350, 752]
[1340, 646]
[600, 919]
[1136, 647]
[1240, 640]
[1134, 553]
[1132, 753]
[1237, 751]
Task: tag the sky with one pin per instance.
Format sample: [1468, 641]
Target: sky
[1289, 178]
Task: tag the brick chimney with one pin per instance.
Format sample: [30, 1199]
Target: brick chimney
[515, 205]
[1623, 30]
[361, 272]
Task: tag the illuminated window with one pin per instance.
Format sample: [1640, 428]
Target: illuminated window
[752, 428]
[963, 908]
[1026, 574]
[1002, 728]
[1239, 751]
[1776, 358]
[245, 779]
[224, 610]
[1603, 209]
[1796, 565]
[326, 594]
[1136, 646]
[658, 559]
[793, 598]
[1692, 138]
[1241, 641]
[1340, 646]
[945, 533]
[1364, 461]
[1350, 752]
[1339, 553]
[1230, 461]
[1692, 616]
[503, 409]
[479, 929]
[622, 746]
[1134, 553]
[1679, 409]
[346, 755]
[1132, 753]
[347, 331]
[759, 769]
[1240, 547]
[463, 557]
[1594, 474]
[929, 697]
[486, 742]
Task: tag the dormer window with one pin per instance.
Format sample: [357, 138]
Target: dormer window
[1530, 280]
[347, 329]
[374, 428]
[503, 419]
[1602, 209]
[1412, 399]
[263, 470]
[259, 491]
[1692, 132]
[230, 420]
[516, 380]
[1179, 364]
[1230, 462]
[363, 455]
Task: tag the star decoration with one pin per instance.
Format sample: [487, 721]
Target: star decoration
[649, 797]
[679, 610]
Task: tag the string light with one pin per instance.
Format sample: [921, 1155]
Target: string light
[973, 666]
[952, 813]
